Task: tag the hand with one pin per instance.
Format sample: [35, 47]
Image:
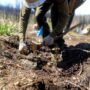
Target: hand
[48, 40]
[35, 26]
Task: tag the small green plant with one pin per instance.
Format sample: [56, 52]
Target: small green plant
[7, 28]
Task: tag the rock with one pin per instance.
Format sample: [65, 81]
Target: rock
[28, 63]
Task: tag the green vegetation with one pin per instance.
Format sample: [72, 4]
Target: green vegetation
[8, 22]
[7, 28]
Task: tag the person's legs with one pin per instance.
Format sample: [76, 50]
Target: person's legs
[24, 17]
[62, 14]
[70, 19]
[41, 19]
[59, 17]
[54, 16]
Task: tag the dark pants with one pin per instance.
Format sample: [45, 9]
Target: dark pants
[72, 13]
[59, 15]
[41, 18]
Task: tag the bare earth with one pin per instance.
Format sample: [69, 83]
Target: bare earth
[45, 69]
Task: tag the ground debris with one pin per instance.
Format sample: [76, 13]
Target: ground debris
[44, 69]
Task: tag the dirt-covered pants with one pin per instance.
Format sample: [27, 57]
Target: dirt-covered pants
[24, 18]
[59, 16]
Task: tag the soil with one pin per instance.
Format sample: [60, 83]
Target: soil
[45, 68]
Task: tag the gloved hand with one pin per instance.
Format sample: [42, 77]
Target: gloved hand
[48, 40]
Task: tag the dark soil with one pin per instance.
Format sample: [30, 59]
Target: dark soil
[45, 69]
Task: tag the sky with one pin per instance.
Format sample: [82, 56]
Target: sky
[10, 3]
[82, 10]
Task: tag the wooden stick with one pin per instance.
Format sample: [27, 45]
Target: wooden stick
[66, 31]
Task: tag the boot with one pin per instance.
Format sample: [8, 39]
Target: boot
[61, 43]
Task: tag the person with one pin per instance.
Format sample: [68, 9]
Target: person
[25, 12]
[59, 16]
[59, 8]
[73, 5]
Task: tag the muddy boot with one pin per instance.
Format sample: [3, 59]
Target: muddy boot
[61, 44]
[45, 33]
[49, 46]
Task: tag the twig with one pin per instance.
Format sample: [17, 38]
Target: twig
[66, 31]
[13, 64]
[81, 87]
[81, 69]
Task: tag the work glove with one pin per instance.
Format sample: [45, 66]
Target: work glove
[48, 40]
[22, 45]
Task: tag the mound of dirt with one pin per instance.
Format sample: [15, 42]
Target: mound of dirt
[44, 69]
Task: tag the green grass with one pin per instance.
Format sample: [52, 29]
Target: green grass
[8, 23]
[6, 28]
